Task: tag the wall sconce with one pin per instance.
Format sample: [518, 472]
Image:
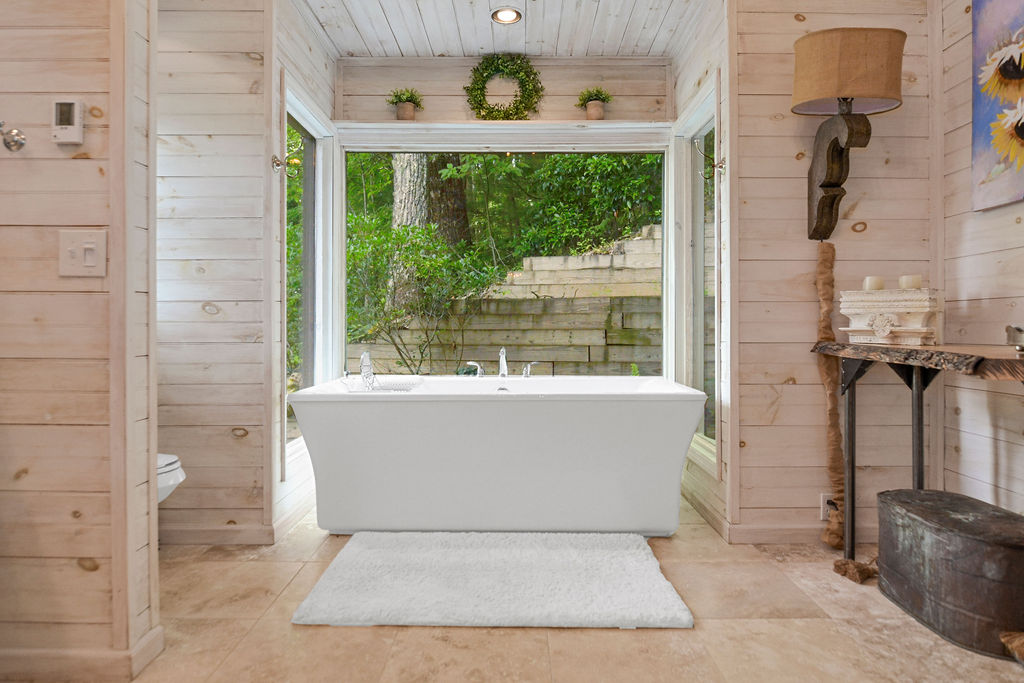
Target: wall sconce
[847, 73]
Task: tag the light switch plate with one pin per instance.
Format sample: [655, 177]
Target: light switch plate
[83, 253]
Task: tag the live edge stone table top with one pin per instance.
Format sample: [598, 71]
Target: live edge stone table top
[984, 361]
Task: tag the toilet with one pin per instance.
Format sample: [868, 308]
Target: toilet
[168, 474]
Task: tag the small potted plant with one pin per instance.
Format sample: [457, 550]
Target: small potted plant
[593, 100]
[407, 100]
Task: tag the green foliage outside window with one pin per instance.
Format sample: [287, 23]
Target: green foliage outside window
[557, 204]
[293, 256]
[518, 205]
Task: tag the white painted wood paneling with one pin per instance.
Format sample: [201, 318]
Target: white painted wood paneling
[639, 86]
[212, 173]
[463, 28]
[780, 401]
[984, 285]
[74, 352]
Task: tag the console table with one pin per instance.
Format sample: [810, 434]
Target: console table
[917, 366]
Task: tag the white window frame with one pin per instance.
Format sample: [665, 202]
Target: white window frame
[329, 279]
[702, 115]
[533, 136]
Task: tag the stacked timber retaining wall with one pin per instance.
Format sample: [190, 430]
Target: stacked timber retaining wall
[593, 314]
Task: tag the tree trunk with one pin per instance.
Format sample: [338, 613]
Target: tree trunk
[409, 208]
[410, 189]
[446, 200]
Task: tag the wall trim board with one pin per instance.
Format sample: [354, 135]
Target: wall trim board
[501, 136]
[119, 325]
[641, 86]
[88, 666]
[730, 242]
[271, 234]
[935, 454]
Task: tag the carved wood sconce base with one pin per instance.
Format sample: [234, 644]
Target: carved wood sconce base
[830, 165]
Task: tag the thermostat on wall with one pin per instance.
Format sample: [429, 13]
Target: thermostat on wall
[68, 123]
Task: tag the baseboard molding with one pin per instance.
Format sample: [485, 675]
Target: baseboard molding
[147, 649]
[262, 534]
[712, 516]
[749, 533]
[92, 666]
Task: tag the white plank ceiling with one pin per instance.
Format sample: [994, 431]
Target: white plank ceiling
[463, 28]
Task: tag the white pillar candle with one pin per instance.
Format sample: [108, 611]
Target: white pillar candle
[910, 281]
[874, 282]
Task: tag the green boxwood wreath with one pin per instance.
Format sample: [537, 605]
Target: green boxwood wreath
[516, 67]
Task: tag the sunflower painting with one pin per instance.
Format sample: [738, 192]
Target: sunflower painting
[997, 147]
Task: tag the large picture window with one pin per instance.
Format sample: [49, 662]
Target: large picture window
[556, 257]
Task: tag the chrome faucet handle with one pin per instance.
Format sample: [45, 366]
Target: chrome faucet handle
[13, 139]
[366, 371]
[479, 368]
[502, 363]
[526, 368]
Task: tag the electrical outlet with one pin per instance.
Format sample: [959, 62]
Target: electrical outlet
[826, 504]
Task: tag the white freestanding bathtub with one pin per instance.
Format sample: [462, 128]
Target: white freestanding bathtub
[499, 454]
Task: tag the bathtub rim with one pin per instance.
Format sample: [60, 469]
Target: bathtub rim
[677, 392]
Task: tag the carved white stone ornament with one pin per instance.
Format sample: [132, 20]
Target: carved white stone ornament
[890, 316]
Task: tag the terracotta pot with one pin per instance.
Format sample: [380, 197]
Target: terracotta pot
[406, 111]
[595, 110]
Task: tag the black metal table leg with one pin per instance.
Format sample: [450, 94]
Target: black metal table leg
[852, 370]
[850, 472]
[917, 407]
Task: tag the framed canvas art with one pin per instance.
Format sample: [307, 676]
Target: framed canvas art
[997, 130]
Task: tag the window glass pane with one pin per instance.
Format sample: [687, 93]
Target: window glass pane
[706, 278]
[555, 257]
[300, 235]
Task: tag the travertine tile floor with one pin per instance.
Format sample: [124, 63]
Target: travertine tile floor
[763, 613]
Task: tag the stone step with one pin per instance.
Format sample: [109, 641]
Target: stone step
[651, 232]
[548, 321]
[524, 338]
[639, 246]
[488, 353]
[572, 291]
[583, 276]
[547, 306]
[585, 261]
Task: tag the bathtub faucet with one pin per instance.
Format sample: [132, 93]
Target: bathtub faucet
[527, 366]
[479, 368]
[502, 363]
[366, 370]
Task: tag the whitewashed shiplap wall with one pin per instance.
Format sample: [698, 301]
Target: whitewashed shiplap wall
[211, 296]
[640, 86]
[222, 64]
[463, 28]
[984, 250]
[77, 499]
[780, 404]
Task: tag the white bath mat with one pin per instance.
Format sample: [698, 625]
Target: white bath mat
[495, 579]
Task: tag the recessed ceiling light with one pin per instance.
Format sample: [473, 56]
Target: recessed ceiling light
[506, 15]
